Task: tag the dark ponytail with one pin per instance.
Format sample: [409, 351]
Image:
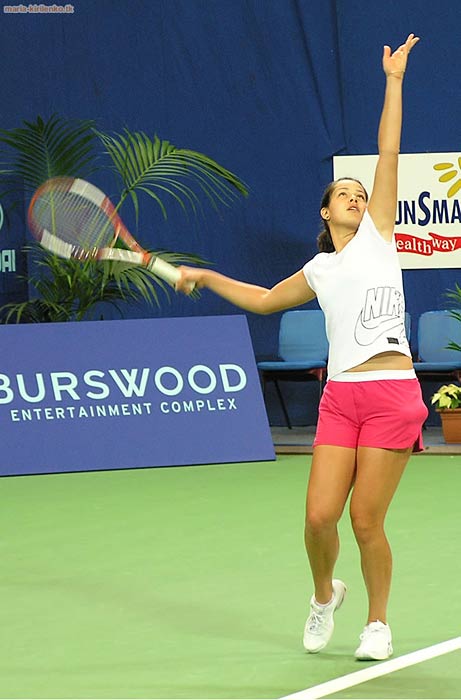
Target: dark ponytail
[324, 240]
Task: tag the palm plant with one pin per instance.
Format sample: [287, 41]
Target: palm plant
[69, 290]
[45, 149]
[455, 296]
[146, 167]
[158, 168]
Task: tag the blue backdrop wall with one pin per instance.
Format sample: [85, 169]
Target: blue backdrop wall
[271, 89]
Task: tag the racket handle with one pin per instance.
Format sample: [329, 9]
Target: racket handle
[167, 272]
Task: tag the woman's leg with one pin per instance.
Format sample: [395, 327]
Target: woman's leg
[377, 477]
[330, 481]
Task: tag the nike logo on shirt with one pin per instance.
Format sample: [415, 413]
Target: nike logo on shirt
[366, 334]
[381, 314]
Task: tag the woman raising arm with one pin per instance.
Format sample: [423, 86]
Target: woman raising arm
[371, 411]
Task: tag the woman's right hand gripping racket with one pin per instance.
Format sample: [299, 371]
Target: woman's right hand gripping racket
[74, 219]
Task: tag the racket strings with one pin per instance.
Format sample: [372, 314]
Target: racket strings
[73, 219]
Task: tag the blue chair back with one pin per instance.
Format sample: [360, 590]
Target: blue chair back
[407, 325]
[435, 330]
[302, 336]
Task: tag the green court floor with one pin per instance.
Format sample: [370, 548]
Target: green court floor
[192, 582]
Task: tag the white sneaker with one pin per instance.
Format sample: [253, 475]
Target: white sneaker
[375, 642]
[319, 625]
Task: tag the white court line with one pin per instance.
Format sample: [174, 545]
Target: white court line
[367, 674]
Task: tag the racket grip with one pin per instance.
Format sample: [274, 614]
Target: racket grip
[166, 271]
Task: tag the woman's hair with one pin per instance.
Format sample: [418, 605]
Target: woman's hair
[324, 240]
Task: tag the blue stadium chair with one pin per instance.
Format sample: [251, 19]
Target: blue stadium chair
[407, 325]
[435, 330]
[303, 353]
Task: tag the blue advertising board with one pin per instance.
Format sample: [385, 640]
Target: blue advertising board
[13, 259]
[132, 393]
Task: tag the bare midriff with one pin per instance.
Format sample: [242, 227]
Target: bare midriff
[385, 360]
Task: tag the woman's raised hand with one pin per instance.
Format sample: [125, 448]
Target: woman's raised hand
[394, 63]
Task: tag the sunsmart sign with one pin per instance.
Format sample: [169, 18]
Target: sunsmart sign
[134, 393]
[428, 215]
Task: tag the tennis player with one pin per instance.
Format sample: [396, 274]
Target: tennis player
[371, 412]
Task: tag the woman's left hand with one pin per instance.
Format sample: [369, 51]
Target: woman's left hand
[396, 62]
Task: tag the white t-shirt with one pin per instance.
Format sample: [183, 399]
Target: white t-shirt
[360, 291]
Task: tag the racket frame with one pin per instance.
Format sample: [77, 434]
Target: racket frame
[135, 255]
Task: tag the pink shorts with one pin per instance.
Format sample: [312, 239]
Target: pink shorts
[385, 413]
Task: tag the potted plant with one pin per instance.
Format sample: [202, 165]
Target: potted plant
[455, 298]
[147, 169]
[447, 398]
[447, 401]
[69, 290]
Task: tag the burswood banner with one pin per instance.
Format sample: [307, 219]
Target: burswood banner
[428, 216]
[133, 393]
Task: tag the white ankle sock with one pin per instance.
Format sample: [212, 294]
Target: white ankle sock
[324, 605]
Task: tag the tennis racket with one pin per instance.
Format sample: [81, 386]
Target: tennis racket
[74, 219]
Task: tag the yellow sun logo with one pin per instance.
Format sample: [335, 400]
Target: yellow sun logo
[450, 175]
